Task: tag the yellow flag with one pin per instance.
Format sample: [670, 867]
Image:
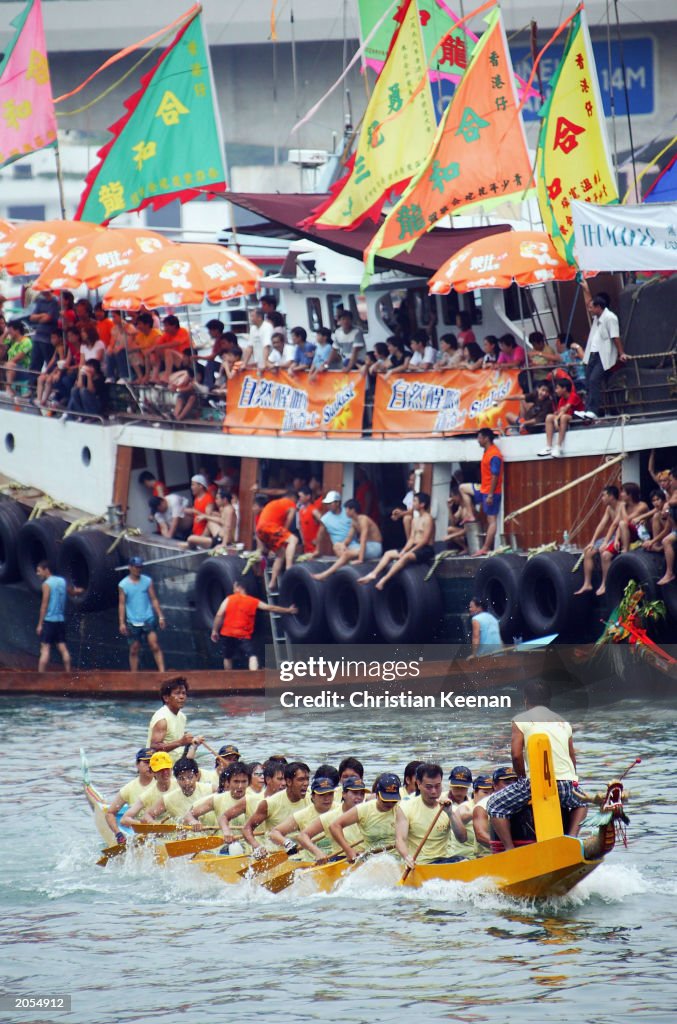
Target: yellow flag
[574, 161]
[390, 155]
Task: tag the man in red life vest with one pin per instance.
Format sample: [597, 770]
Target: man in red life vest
[489, 492]
[234, 625]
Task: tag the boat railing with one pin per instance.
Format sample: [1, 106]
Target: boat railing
[643, 387]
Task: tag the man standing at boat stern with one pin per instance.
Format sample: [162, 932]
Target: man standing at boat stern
[538, 718]
[602, 352]
[140, 614]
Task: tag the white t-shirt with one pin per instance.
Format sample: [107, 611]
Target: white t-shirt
[261, 338]
[345, 343]
[285, 356]
[176, 506]
[429, 355]
[559, 732]
[603, 330]
[95, 351]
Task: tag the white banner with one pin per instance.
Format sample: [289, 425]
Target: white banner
[625, 237]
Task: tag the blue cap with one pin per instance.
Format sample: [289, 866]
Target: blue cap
[460, 776]
[353, 784]
[482, 782]
[229, 749]
[388, 788]
[135, 560]
[144, 754]
[503, 774]
[322, 785]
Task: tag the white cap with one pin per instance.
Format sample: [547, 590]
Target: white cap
[331, 496]
[199, 479]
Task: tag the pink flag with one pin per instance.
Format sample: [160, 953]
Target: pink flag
[27, 118]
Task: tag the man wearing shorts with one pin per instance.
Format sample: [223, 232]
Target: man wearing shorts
[140, 614]
[234, 625]
[488, 494]
[51, 626]
[273, 530]
[418, 549]
[364, 541]
[537, 718]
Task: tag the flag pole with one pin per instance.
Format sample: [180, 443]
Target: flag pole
[59, 177]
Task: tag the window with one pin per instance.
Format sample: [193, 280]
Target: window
[358, 307]
[334, 304]
[314, 310]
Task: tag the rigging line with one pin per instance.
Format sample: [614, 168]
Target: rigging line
[106, 92]
[186, 17]
[626, 93]
[612, 98]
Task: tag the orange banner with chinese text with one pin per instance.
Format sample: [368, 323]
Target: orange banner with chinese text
[277, 402]
[444, 402]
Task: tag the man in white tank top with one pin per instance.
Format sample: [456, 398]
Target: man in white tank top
[538, 718]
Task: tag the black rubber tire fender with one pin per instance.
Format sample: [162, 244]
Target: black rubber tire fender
[498, 582]
[408, 609]
[84, 563]
[644, 567]
[349, 607]
[214, 582]
[39, 539]
[298, 587]
[546, 592]
[668, 594]
[12, 518]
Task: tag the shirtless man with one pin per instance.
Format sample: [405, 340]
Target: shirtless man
[418, 549]
[670, 540]
[624, 529]
[363, 541]
[610, 502]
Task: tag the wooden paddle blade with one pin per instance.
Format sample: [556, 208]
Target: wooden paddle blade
[544, 796]
[109, 852]
[258, 867]
[185, 847]
[279, 878]
[145, 828]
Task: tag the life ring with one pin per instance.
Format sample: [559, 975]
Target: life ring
[39, 540]
[84, 562]
[408, 607]
[214, 582]
[12, 518]
[349, 607]
[498, 583]
[644, 567]
[546, 592]
[298, 587]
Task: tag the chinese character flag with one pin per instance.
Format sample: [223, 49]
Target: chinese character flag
[168, 145]
[27, 118]
[573, 161]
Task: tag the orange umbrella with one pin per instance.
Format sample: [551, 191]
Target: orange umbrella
[34, 244]
[524, 257]
[98, 258]
[184, 277]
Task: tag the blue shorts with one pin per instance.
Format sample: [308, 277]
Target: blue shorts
[138, 632]
[372, 549]
[490, 506]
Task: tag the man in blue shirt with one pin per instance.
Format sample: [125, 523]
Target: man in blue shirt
[51, 626]
[333, 521]
[140, 614]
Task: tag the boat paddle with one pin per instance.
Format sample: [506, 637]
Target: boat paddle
[408, 870]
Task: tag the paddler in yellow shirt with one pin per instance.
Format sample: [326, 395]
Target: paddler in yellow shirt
[160, 765]
[167, 729]
[233, 784]
[273, 810]
[177, 802]
[414, 818]
[374, 818]
[483, 788]
[132, 790]
[273, 775]
[460, 781]
[353, 793]
[321, 800]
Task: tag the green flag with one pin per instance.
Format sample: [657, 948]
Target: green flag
[168, 145]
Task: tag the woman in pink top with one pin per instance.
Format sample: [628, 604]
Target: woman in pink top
[465, 331]
[512, 354]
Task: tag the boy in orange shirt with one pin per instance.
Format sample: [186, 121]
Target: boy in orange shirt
[273, 530]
